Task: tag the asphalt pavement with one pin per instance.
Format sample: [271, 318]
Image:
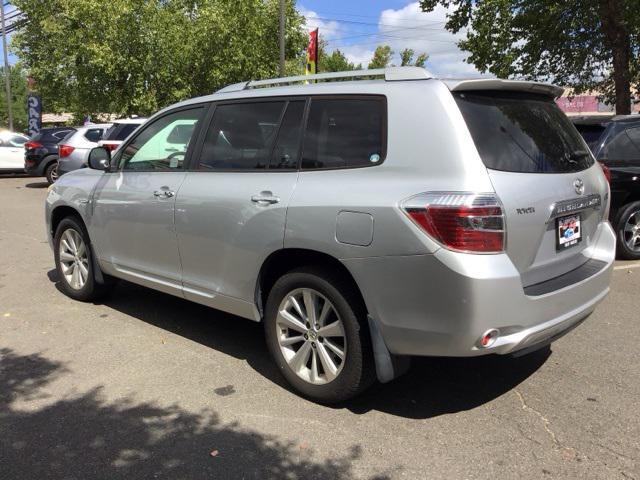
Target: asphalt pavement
[146, 385]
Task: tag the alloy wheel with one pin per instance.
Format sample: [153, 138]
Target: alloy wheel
[74, 259]
[632, 231]
[311, 336]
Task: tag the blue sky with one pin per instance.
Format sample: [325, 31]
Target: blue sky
[356, 27]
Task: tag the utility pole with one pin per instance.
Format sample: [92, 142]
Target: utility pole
[7, 73]
[281, 31]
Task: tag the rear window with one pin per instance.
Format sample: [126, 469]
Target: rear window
[120, 131]
[519, 132]
[591, 134]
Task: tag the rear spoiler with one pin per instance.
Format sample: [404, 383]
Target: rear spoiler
[505, 85]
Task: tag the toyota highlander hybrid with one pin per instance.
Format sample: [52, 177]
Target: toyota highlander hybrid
[363, 222]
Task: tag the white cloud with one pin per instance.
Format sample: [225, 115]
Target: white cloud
[406, 27]
[410, 27]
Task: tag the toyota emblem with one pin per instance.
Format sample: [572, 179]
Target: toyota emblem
[578, 185]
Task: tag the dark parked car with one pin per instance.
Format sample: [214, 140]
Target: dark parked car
[41, 152]
[617, 148]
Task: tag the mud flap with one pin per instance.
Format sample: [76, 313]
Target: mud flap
[388, 366]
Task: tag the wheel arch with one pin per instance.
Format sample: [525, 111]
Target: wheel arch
[284, 260]
[61, 212]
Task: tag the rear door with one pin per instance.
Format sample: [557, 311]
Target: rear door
[553, 192]
[231, 211]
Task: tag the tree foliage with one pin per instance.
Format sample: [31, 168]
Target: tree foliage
[406, 58]
[18, 99]
[136, 56]
[381, 57]
[585, 44]
[336, 62]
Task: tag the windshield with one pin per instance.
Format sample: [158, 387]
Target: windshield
[520, 132]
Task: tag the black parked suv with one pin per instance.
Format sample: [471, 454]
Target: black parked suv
[41, 152]
[618, 151]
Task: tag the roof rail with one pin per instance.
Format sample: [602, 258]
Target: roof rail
[390, 74]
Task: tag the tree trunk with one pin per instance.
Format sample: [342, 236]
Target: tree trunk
[617, 39]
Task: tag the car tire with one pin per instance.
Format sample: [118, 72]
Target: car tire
[74, 262]
[51, 172]
[323, 376]
[628, 232]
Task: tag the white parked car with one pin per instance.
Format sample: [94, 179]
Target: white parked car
[12, 151]
[73, 150]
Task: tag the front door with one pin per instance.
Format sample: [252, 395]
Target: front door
[12, 152]
[231, 211]
[133, 218]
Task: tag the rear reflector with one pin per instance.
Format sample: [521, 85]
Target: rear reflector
[606, 171]
[31, 144]
[466, 222]
[489, 338]
[65, 150]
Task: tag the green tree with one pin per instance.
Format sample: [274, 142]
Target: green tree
[18, 99]
[381, 57]
[136, 56]
[406, 58]
[585, 44]
[336, 62]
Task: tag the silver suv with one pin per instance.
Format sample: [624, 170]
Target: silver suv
[363, 222]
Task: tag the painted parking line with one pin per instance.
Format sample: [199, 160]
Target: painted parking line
[627, 266]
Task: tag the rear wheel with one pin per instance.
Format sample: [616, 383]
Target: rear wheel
[51, 172]
[74, 262]
[629, 232]
[315, 330]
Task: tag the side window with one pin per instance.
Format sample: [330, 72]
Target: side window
[344, 133]
[241, 136]
[94, 134]
[17, 141]
[158, 146]
[61, 134]
[285, 153]
[622, 146]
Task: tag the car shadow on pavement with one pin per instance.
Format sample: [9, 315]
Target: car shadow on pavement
[37, 185]
[432, 386]
[86, 436]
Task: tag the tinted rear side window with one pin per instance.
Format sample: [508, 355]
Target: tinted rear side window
[525, 133]
[622, 145]
[94, 134]
[343, 133]
[120, 131]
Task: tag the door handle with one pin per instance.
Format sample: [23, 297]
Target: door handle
[163, 194]
[265, 198]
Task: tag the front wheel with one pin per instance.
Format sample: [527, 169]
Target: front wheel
[74, 262]
[629, 232]
[317, 335]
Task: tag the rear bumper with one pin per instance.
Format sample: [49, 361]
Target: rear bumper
[441, 304]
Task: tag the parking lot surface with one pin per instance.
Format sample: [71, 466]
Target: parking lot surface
[146, 385]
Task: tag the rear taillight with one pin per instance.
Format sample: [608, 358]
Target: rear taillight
[31, 144]
[467, 222]
[606, 171]
[110, 146]
[65, 150]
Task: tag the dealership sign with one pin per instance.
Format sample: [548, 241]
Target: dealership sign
[34, 114]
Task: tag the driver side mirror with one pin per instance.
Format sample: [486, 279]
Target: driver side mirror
[100, 159]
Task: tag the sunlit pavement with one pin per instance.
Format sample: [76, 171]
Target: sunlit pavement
[147, 385]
